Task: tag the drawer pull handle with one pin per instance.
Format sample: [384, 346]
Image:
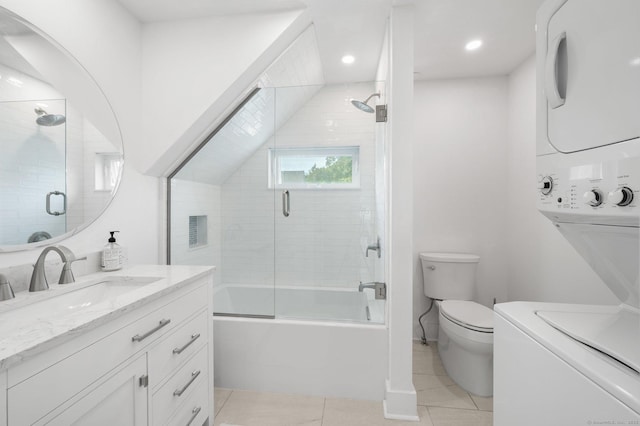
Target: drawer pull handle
[179, 392]
[194, 414]
[141, 337]
[194, 337]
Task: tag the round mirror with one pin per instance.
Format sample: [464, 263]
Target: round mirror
[61, 155]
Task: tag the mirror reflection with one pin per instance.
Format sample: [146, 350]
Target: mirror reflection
[61, 152]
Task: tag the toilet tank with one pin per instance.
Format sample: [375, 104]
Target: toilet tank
[449, 275]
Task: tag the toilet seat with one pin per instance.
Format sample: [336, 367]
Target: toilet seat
[468, 314]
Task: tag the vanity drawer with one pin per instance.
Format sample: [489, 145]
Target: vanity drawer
[194, 410]
[180, 387]
[176, 348]
[83, 367]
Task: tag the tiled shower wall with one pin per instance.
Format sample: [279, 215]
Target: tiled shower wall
[195, 199]
[323, 242]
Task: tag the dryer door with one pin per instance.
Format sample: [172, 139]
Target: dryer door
[588, 73]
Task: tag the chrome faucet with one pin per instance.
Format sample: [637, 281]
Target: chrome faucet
[362, 286]
[39, 278]
[375, 247]
[6, 292]
[379, 289]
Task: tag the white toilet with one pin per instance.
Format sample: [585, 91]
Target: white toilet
[465, 336]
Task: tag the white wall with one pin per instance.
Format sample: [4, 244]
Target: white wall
[113, 59]
[542, 265]
[460, 177]
[195, 199]
[217, 51]
[133, 63]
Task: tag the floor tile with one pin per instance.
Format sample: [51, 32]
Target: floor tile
[220, 397]
[440, 394]
[483, 403]
[247, 408]
[428, 362]
[423, 382]
[454, 417]
[348, 412]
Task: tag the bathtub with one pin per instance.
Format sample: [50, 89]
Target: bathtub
[320, 343]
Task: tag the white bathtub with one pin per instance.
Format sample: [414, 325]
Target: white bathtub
[320, 342]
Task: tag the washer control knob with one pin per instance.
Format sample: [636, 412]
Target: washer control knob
[546, 185]
[593, 197]
[622, 196]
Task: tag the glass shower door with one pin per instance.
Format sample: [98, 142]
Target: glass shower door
[222, 211]
[323, 168]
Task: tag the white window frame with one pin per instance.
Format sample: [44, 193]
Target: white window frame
[338, 151]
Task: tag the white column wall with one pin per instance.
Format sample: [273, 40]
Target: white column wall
[400, 396]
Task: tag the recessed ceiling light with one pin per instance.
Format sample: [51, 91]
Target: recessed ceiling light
[348, 59]
[473, 45]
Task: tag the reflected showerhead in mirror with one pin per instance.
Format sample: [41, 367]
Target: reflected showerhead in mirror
[364, 106]
[45, 119]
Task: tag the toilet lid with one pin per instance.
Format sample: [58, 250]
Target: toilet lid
[468, 314]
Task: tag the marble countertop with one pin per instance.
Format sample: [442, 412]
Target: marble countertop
[24, 335]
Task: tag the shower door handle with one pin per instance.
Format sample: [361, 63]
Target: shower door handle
[64, 203]
[286, 205]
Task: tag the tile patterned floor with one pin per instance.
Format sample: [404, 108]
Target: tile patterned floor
[440, 403]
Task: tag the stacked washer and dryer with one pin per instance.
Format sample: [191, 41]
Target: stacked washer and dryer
[564, 364]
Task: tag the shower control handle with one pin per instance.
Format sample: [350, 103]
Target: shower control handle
[286, 205]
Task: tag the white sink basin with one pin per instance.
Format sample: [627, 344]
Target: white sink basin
[64, 299]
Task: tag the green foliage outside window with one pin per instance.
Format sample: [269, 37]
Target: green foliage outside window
[336, 169]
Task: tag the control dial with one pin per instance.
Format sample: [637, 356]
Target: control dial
[622, 196]
[593, 197]
[546, 185]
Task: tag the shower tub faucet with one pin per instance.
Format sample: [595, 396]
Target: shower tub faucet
[375, 247]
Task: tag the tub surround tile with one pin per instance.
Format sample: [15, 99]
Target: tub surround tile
[456, 417]
[248, 408]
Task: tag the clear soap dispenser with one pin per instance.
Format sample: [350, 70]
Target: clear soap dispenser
[111, 255]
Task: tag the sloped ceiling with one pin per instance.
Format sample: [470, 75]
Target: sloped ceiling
[299, 72]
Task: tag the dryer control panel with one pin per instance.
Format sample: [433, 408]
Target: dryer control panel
[576, 188]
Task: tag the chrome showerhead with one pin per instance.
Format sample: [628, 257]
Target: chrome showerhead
[363, 106]
[45, 119]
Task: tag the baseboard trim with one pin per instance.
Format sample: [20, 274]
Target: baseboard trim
[400, 404]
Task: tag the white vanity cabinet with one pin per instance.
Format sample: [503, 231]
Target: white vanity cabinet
[148, 366]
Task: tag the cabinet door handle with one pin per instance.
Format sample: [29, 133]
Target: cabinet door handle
[141, 337]
[194, 414]
[194, 375]
[194, 337]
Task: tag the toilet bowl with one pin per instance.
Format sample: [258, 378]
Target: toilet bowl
[465, 344]
[465, 334]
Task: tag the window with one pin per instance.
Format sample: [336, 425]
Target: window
[314, 168]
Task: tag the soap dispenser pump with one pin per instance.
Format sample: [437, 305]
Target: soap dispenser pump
[111, 255]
